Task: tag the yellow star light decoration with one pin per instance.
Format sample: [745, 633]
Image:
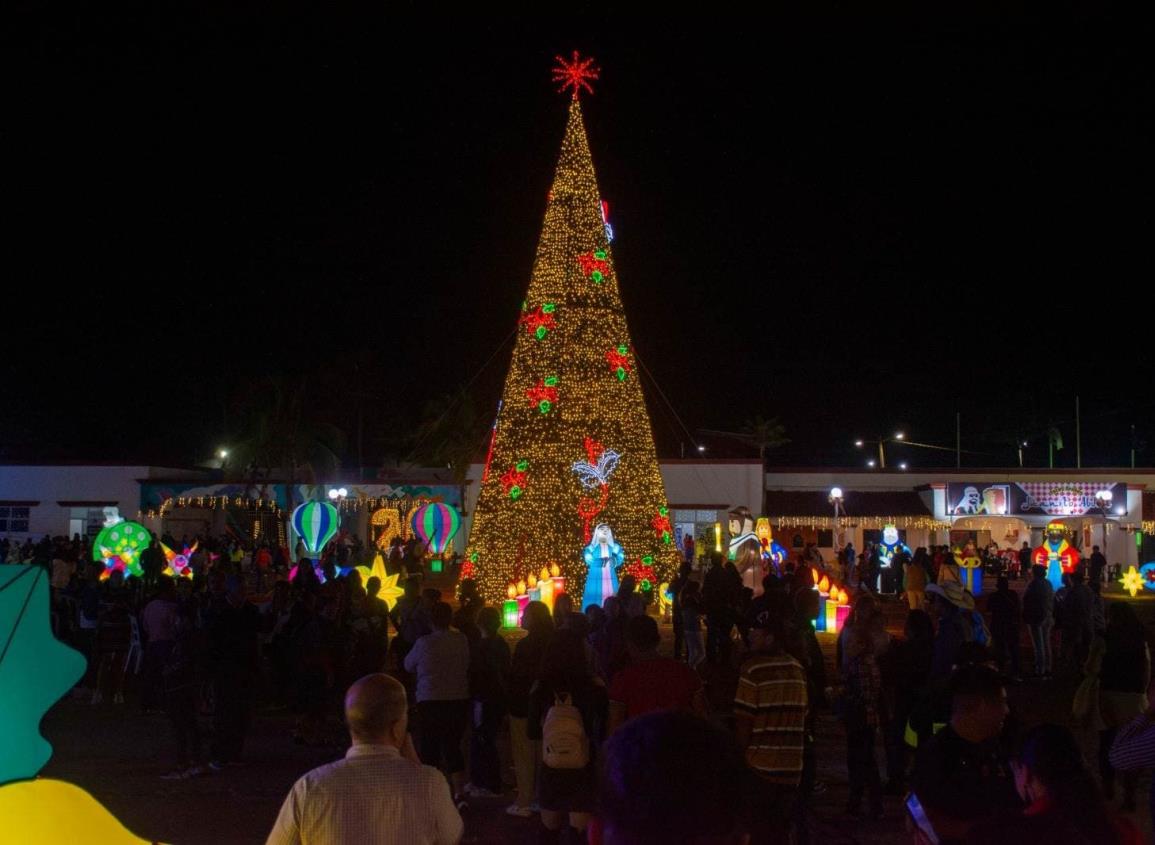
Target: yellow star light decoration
[1132, 581]
[390, 591]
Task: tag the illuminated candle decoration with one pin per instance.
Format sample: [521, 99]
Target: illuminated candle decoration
[531, 581]
[511, 592]
[843, 614]
[718, 537]
[510, 615]
[831, 610]
[558, 579]
[522, 601]
[545, 592]
[824, 586]
[820, 619]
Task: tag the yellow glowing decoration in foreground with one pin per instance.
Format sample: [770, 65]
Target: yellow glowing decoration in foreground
[1132, 581]
[46, 812]
[390, 591]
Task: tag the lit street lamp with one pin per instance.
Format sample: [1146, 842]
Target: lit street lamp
[836, 500]
[1103, 499]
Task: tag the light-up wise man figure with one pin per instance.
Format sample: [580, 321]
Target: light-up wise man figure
[602, 556]
[1056, 554]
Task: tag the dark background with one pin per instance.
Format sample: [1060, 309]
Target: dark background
[855, 224]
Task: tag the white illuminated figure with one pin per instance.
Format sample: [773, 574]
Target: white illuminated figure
[603, 556]
[887, 550]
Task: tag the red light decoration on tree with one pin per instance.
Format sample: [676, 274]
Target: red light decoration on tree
[543, 395]
[513, 480]
[539, 322]
[661, 524]
[594, 265]
[619, 361]
[643, 571]
[575, 73]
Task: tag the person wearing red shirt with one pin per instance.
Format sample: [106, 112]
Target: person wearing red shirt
[651, 682]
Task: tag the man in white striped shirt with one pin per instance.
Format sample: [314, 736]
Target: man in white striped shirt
[380, 793]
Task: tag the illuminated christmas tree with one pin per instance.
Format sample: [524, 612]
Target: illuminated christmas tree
[572, 447]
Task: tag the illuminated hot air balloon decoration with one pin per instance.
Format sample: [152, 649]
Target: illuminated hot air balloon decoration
[316, 523]
[436, 524]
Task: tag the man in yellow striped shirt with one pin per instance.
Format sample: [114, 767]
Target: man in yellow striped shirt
[770, 715]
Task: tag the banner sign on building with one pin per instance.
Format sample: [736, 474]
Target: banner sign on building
[1041, 498]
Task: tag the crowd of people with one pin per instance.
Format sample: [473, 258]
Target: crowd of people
[605, 732]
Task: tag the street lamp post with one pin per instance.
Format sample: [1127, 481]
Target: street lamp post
[836, 500]
[1103, 499]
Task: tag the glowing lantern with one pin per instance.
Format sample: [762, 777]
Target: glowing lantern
[316, 523]
[435, 524]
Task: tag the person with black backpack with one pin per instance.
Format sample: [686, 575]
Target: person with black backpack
[567, 713]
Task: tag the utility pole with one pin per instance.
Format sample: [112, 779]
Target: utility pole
[1078, 437]
[958, 439]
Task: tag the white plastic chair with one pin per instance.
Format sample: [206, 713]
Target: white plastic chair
[134, 649]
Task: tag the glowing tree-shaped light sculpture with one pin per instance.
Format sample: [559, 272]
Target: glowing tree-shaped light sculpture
[572, 447]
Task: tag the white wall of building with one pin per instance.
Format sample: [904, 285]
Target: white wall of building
[49, 485]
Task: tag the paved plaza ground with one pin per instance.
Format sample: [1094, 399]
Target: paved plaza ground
[117, 753]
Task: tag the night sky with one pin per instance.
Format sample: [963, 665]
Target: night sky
[854, 224]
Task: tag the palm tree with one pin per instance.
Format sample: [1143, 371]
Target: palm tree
[278, 431]
[761, 433]
[764, 434]
[450, 435]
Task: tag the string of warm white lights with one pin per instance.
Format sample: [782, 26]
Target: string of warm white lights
[574, 448]
[868, 522]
